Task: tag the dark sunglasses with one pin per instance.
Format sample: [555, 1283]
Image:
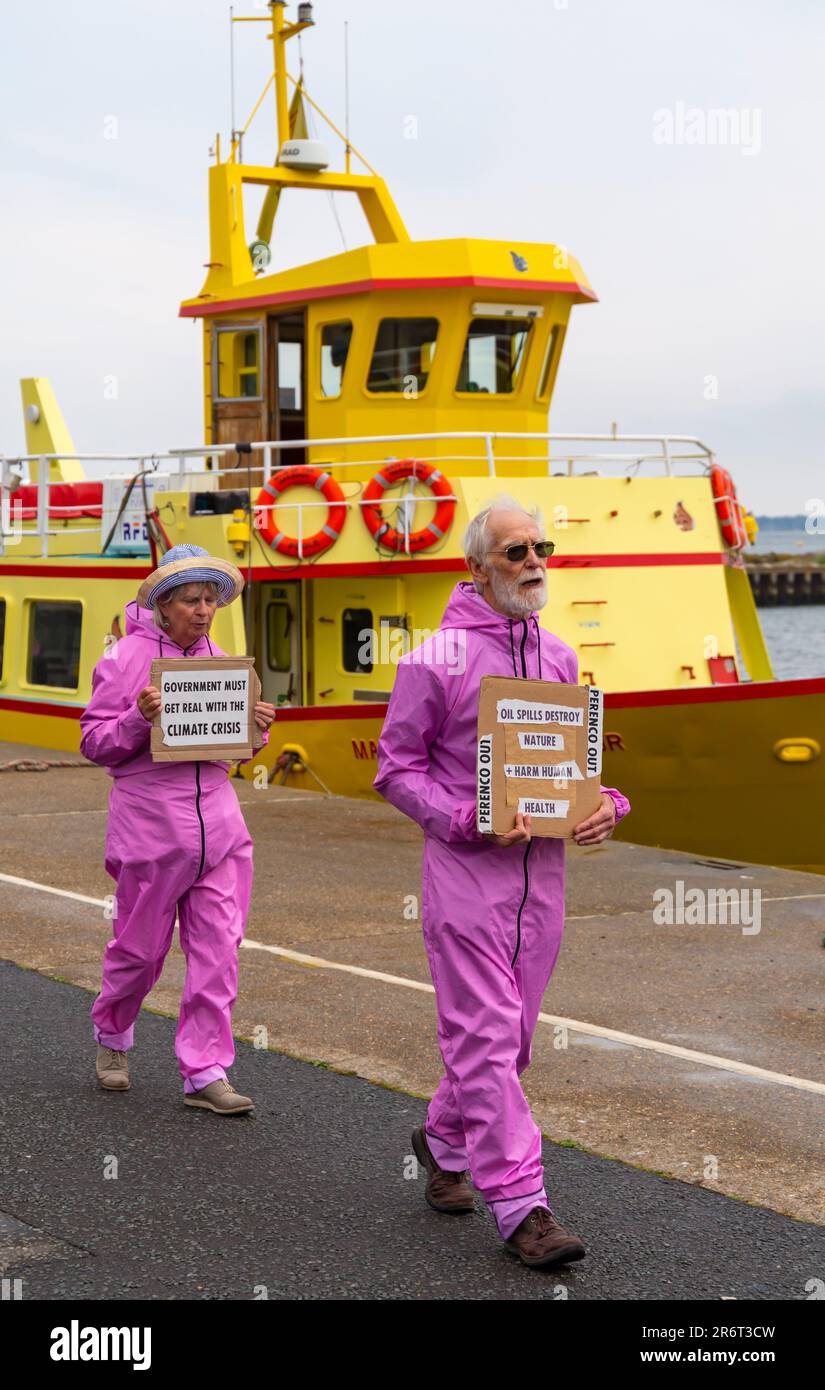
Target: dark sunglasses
[516, 553]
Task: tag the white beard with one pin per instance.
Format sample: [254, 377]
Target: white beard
[515, 600]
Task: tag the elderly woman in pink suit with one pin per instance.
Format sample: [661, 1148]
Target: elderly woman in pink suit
[176, 840]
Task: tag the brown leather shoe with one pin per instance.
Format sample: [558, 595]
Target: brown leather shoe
[540, 1240]
[112, 1069]
[445, 1191]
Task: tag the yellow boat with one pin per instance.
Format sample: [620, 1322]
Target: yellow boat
[420, 374]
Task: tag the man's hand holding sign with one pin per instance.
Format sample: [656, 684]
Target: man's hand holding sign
[592, 831]
[539, 762]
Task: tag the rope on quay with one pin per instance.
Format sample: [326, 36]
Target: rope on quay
[35, 765]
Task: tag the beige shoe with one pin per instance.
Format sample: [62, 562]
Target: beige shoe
[220, 1097]
[112, 1069]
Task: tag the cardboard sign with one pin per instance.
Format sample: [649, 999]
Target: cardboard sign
[539, 752]
[208, 709]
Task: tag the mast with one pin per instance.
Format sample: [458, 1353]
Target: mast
[281, 33]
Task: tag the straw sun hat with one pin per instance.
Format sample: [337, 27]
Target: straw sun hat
[189, 564]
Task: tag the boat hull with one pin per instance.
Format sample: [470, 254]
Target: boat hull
[701, 767]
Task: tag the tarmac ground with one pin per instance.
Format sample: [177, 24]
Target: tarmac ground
[678, 1076]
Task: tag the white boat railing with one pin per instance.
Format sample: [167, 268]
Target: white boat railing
[200, 467]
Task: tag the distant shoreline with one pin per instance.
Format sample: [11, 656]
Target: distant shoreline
[777, 557]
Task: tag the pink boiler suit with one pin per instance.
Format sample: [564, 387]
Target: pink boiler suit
[176, 844]
[492, 917]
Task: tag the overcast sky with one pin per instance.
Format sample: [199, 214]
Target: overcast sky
[584, 123]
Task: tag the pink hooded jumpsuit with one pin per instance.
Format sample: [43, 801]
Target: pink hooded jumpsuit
[492, 917]
[176, 843]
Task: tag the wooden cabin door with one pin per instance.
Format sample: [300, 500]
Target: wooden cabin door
[239, 404]
[259, 388]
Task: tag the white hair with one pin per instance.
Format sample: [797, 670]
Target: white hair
[157, 616]
[475, 537]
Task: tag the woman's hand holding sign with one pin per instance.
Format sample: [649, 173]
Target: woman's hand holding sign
[264, 714]
[149, 702]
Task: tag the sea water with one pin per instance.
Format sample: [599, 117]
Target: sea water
[795, 638]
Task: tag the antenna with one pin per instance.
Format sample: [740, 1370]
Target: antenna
[346, 94]
[232, 73]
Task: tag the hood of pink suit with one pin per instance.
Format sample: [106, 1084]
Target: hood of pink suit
[140, 623]
[495, 644]
[468, 608]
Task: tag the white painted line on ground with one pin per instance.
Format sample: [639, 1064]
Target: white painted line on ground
[640, 911]
[595, 1030]
[46, 888]
[319, 963]
[707, 1059]
[793, 897]
[591, 1029]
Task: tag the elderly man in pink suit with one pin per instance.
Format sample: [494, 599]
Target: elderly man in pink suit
[492, 906]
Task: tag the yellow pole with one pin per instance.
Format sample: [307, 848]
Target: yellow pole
[282, 105]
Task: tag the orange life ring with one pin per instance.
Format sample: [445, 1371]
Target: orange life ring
[396, 472]
[303, 476]
[728, 508]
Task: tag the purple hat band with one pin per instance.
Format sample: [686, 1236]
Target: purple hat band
[225, 585]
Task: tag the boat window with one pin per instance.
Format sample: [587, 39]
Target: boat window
[358, 640]
[54, 643]
[291, 364]
[551, 360]
[278, 643]
[403, 355]
[335, 341]
[493, 355]
[2, 633]
[238, 363]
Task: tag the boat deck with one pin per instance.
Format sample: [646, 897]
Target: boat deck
[336, 974]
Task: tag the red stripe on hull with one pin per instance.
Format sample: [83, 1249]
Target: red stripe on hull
[383, 567]
[631, 699]
[745, 690]
[79, 571]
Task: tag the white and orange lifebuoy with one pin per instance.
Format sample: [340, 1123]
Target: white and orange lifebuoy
[386, 477]
[302, 476]
[728, 508]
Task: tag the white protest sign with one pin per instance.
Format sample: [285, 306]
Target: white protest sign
[200, 708]
[207, 708]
